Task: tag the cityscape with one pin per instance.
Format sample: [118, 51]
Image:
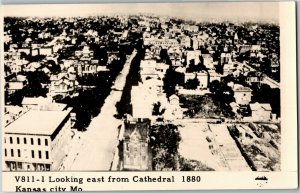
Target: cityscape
[141, 92]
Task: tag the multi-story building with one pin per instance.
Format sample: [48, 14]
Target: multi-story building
[62, 84]
[136, 152]
[261, 112]
[166, 42]
[193, 56]
[201, 76]
[242, 94]
[15, 83]
[37, 141]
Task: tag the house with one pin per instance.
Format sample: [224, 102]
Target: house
[62, 84]
[225, 58]
[191, 28]
[174, 100]
[42, 146]
[17, 65]
[102, 69]
[136, 149]
[35, 102]
[86, 68]
[35, 51]
[234, 107]
[42, 103]
[244, 48]
[148, 70]
[46, 70]
[261, 111]
[173, 110]
[208, 61]
[142, 99]
[193, 57]
[186, 42]
[166, 42]
[12, 113]
[162, 67]
[254, 77]
[154, 85]
[26, 50]
[242, 94]
[47, 51]
[213, 75]
[15, 83]
[195, 43]
[201, 76]
[32, 67]
[228, 68]
[86, 52]
[255, 48]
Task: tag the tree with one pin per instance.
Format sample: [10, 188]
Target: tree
[34, 87]
[262, 93]
[215, 86]
[164, 141]
[156, 108]
[53, 67]
[275, 101]
[265, 65]
[23, 55]
[165, 56]
[192, 83]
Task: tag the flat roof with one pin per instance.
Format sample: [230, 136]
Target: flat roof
[37, 123]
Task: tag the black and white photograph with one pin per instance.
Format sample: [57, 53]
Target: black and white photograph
[144, 87]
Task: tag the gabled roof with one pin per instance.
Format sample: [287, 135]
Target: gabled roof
[61, 76]
[255, 74]
[173, 96]
[256, 106]
[142, 127]
[241, 88]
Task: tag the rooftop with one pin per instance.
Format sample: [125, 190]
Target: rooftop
[37, 122]
[241, 88]
[142, 126]
[256, 106]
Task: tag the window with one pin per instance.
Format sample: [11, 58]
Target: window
[25, 140]
[19, 153]
[32, 153]
[31, 141]
[19, 165]
[143, 148]
[12, 153]
[46, 142]
[40, 154]
[47, 167]
[39, 141]
[11, 140]
[5, 152]
[47, 155]
[18, 140]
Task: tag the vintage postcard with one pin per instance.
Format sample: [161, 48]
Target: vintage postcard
[149, 96]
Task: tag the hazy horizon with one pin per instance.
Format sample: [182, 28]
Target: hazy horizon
[212, 11]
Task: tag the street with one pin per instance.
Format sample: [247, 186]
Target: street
[101, 138]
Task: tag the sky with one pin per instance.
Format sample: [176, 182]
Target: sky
[231, 11]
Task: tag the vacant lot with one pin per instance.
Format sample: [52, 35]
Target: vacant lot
[204, 107]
